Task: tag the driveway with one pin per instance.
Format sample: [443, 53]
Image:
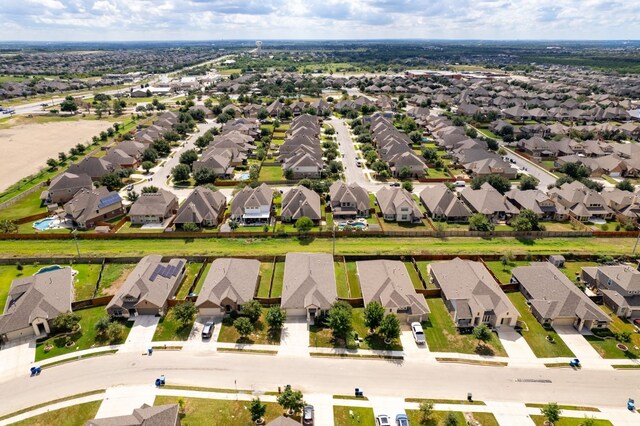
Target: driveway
[141, 334]
[322, 408]
[294, 339]
[122, 400]
[16, 357]
[412, 350]
[391, 406]
[517, 348]
[195, 342]
[589, 357]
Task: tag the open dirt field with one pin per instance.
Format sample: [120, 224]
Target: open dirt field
[25, 148]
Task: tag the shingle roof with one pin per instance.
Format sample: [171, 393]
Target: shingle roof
[309, 280]
[229, 278]
[159, 415]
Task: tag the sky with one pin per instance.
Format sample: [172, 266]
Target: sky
[123, 20]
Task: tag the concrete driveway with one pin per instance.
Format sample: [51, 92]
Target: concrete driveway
[412, 350]
[141, 334]
[589, 357]
[517, 348]
[16, 357]
[294, 339]
[122, 400]
[391, 406]
[195, 342]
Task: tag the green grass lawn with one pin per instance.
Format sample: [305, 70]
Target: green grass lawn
[536, 335]
[354, 280]
[261, 334]
[404, 226]
[422, 267]
[189, 277]
[320, 336]
[266, 272]
[438, 417]
[607, 347]
[113, 273]
[558, 226]
[8, 273]
[502, 272]
[573, 269]
[344, 246]
[86, 338]
[341, 279]
[442, 335]
[68, 416]
[171, 329]
[278, 280]
[353, 416]
[435, 173]
[413, 274]
[270, 173]
[129, 228]
[85, 282]
[217, 412]
[200, 282]
[569, 421]
[27, 206]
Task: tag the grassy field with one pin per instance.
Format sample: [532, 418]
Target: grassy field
[344, 246]
[68, 416]
[171, 329]
[216, 412]
[353, 416]
[270, 173]
[413, 274]
[438, 417]
[85, 282]
[443, 336]
[113, 272]
[341, 279]
[569, 421]
[536, 335]
[86, 338]
[266, 272]
[503, 272]
[260, 335]
[27, 206]
[189, 277]
[278, 280]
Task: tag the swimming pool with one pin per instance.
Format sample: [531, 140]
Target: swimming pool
[44, 224]
[48, 269]
[244, 176]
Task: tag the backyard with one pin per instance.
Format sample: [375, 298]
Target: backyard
[113, 276]
[442, 335]
[353, 416]
[86, 279]
[189, 277]
[69, 416]
[413, 274]
[341, 279]
[536, 335]
[270, 173]
[8, 273]
[354, 281]
[266, 272]
[261, 334]
[26, 206]
[503, 272]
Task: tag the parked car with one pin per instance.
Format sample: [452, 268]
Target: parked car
[637, 322]
[307, 415]
[418, 333]
[383, 420]
[460, 183]
[402, 420]
[395, 184]
[207, 330]
[130, 188]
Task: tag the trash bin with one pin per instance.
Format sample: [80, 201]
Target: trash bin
[150, 351]
[469, 397]
[359, 392]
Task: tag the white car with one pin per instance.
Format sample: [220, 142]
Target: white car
[383, 420]
[418, 333]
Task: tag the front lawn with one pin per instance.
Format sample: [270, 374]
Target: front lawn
[85, 338]
[438, 417]
[536, 335]
[569, 421]
[68, 416]
[169, 328]
[270, 173]
[113, 275]
[320, 336]
[353, 416]
[189, 277]
[503, 272]
[607, 347]
[27, 206]
[443, 336]
[260, 335]
[217, 412]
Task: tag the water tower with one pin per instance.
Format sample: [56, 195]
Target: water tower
[258, 47]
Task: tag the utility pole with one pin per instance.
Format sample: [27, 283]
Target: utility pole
[333, 250]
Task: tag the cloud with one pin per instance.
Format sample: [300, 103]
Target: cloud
[318, 19]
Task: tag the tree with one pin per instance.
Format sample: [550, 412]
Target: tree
[304, 224]
[291, 400]
[132, 196]
[373, 315]
[450, 419]
[204, 175]
[147, 165]
[575, 170]
[262, 114]
[252, 310]
[117, 107]
[505, 259]
[426, 413]
[66, 322]
[482, 333]
[188, 157]
[68, 105]
[185, 313]
[500, 183]
[244, 326]
[405, 172]
[52, 163]
[626, 185]
[162, 147]
[339, 320]
[151, 189]
[62, 157]
[102, 324]
[190, 227]
[471, 132]
[150, 154]
[551, 412]
[527, 220]
[479, 222]
[528, 182]
[276, 316]
[390, 327]
[114, 332]
[257, 409]
[408, 186]
[112, 181]
[8, 226]
[181, 173]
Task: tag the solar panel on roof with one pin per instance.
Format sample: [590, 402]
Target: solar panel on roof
[109, 200]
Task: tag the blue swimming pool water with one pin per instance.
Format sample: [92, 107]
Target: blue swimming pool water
[48, 269]
[244, 176]
[43, 225]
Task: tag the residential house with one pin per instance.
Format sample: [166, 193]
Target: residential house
[537, 201]
[253, 206]
[471, 294]
[148, 287]
[33, 302]
[619, 286]
[581, 202]
[298, 202]
[388, 283]
[397, 204]
[489, 202]
[555, 300]
[348, 201]
[89, 207]
[153, 207]
[93, 167]
[158, 415]
[309, 286]
[203, 207]
[443, 204]
[65, 186]
[229, 284]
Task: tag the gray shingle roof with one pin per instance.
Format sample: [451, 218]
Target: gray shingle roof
[230, 278]
[309, 280]
[159, 415]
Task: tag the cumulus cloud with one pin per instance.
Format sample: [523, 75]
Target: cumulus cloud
[319, 19]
